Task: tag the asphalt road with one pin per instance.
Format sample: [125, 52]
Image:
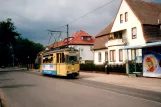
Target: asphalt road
[22, 89]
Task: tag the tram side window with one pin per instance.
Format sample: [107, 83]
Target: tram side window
[63, 58]
[45, 60]
[51, 59]
[57, 57]
[60, 58]
[48, 59]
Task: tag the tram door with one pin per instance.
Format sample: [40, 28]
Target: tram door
[58, 63]
[61, 66]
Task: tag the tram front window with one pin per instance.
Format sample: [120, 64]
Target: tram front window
[71, 59]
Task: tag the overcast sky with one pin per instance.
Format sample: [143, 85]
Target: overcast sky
[33, 17]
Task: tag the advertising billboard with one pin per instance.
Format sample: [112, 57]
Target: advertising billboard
[152, 62]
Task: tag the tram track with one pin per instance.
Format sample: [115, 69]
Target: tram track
[144, 94]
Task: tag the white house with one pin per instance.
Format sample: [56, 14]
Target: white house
[137, 22]
[81, 41]
[100, 50]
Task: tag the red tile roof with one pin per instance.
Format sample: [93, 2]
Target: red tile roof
[75, 39]
[56, 44]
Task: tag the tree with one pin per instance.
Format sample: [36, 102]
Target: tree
[26, 50]
[7, 41]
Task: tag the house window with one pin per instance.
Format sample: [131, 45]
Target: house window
[91, 48]
[126, 17]
[121, 18]
[86, 38]
[99, 57]
[112, 55]
[134, 33]
[68, 39]
[106, 56]
[120, 55]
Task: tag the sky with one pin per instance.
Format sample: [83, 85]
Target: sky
[33, 18]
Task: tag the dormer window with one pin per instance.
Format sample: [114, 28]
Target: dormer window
[126, 17]
[68, 39]
[86, 38]
[121, 18]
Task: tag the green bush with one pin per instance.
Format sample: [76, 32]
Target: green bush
[87, 67]
[109, 68]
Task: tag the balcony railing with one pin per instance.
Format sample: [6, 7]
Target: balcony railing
[115, 37]
[114, 42]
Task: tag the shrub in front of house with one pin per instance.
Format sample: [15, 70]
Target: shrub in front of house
[101, 68]
[87, 67]
[116, 68]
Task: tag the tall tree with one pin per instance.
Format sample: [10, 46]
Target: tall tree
[26, 50]
[8, 35]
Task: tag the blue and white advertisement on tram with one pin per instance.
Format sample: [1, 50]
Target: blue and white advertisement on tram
[48, 69]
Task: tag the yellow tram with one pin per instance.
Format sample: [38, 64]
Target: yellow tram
[62, 62]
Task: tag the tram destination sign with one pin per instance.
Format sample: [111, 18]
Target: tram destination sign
[72, 54]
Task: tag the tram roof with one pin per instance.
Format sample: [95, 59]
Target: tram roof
[142, 46]
[59, 50]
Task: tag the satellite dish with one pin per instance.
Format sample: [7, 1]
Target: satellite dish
[124, 40]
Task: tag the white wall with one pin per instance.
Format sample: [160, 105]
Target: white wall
[126, 27]
[132, 22]
[116, 48]
[96, 52]
[85, 51]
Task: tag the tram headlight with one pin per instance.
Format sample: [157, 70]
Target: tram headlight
[73, 69]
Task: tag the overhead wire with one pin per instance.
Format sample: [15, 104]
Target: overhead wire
[84, 15]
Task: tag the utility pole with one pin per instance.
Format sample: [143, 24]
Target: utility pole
[67, 33]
